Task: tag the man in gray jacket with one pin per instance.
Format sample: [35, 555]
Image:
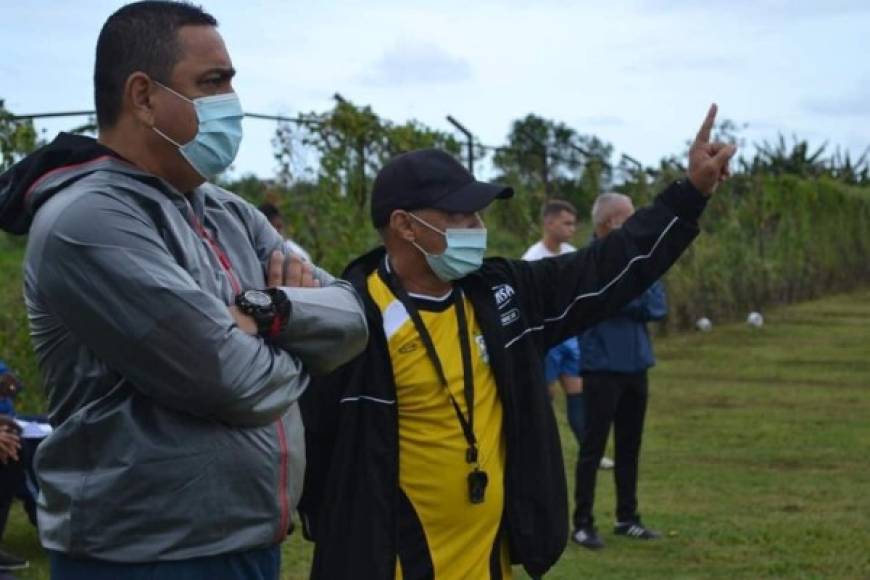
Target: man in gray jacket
[173, 336]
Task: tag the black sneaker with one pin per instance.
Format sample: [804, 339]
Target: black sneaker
[635, 530]
[9, 562]
[588, 538]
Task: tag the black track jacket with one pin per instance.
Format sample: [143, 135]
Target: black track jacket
[351, 488]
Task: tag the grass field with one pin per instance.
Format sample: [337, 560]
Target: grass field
[756, 458]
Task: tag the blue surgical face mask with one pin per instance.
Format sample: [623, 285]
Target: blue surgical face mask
[218, 137]
[463, 255]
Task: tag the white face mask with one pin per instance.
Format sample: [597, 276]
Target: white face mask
[218, 136]
[463, 255]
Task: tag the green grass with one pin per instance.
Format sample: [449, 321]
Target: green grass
[755, 460]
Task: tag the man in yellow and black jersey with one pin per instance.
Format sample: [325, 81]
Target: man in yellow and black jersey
[431, 439]
[435, 453]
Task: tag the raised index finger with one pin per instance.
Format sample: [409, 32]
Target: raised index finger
[707, 126]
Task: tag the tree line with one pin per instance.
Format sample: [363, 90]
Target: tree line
[789, 225]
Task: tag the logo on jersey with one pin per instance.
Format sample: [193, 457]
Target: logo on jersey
[503, 294]
[481, 345]
[409, 347]
[510, 316]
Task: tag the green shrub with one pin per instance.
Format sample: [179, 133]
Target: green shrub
[16, 349]
[766, 240]
[772, 240]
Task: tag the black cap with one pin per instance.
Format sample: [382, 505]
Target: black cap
[429, 178]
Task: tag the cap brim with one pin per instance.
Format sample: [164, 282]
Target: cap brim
[472, 197]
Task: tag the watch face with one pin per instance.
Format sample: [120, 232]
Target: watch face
[259, 299]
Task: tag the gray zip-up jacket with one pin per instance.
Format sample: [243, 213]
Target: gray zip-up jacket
[176, 435]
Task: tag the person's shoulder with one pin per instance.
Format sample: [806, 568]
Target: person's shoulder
[535, 251]
[222, 195]
[75, 209]
[498, 269]
[656, 289]
[233, 202]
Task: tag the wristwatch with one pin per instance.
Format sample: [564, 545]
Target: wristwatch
[269, 308]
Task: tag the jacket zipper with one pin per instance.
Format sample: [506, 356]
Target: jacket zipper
[513, 518]
[227, 267]
[284, 522]
[222, 258]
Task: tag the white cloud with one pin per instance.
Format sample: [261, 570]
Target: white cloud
[637, 73]
[584, 123]
[413, 63]
[854, 104]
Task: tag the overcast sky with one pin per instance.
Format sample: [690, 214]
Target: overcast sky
[639, 73]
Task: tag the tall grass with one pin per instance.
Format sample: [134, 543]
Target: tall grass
[15, 346]
[766, 240]
[772, 240]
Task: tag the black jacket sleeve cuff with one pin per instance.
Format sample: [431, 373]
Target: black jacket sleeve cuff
[684, 199]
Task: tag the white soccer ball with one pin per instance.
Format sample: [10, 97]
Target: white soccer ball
[755, 319]
[704, 324]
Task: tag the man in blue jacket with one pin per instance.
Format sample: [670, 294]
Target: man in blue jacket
[616, 355]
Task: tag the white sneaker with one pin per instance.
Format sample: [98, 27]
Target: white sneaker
[606, 463]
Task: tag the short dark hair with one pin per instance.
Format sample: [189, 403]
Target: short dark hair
[142, 36]
[554, 207]
[270, 211]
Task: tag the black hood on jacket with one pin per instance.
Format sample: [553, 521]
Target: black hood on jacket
[66, 150]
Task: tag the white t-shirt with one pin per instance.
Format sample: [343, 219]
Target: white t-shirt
[291, 247]
[538, 250]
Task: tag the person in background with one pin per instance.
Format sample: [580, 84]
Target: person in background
[558, 224]
[12, 470]
[616, 355]
[273, 214]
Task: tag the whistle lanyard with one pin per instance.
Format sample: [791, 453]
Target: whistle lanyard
[465, 422]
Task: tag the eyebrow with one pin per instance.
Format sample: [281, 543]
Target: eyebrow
[223, 72]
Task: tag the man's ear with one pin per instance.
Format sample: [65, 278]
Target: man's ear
[400, 223]
[138, 97]
[8, 385]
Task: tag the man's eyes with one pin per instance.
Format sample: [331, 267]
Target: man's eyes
[216, 81]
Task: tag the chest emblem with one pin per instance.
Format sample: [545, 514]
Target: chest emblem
[503, 294]
[510, 316]
[409, 347]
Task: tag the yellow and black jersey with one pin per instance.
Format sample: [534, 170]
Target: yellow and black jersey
[441, 533]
